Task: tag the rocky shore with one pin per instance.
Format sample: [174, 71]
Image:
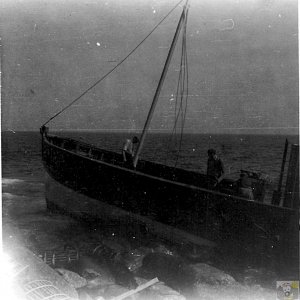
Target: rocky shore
[108, 266]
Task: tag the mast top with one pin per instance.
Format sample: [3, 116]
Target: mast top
[182, 20]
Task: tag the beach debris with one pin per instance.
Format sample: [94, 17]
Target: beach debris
[59, 257]
[43, 289]
[38, 275]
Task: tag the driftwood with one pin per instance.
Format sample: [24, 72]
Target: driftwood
[138, 289]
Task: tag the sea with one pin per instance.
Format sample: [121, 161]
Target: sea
[23, 175]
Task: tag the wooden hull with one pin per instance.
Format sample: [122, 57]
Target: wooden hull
[154, 193]
[91, 210]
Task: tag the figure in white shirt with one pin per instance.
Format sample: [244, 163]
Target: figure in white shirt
[129, 149]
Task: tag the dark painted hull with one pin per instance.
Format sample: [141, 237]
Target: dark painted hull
[173, 197]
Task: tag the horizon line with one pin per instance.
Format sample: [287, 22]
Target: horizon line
[235, 131]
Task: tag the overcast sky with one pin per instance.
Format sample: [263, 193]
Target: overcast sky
[242, 58]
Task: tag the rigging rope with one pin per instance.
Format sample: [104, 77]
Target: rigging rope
[108, 73]
[181, 94]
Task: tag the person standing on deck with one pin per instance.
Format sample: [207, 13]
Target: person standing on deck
[129, 149]
[215, 166]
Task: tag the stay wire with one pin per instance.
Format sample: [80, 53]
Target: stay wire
[103, 77]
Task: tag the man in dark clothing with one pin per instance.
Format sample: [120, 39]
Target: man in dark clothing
[215, 166]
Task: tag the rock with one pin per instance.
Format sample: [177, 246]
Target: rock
[118, 269]
[72, 278]
[91, 293]
[114, 290]
[157, 291]
[100, 271]
[111, 247]
[197, 254]
[140, 280]
[253, 276]
[83, 295]
[41, 241]
[134, 258]
[160, 248]
[97, 281]
[234, 291]
[96, 274]
[169, 269]
[161, 291]
[92, 265]
[122, 275]
[207, 274]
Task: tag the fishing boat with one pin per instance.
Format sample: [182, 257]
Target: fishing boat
[90, 182]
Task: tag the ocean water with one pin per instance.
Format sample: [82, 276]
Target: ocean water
[23, 176]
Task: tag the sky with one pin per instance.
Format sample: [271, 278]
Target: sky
[242, 63]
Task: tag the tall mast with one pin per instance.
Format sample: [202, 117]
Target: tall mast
[160, 84]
